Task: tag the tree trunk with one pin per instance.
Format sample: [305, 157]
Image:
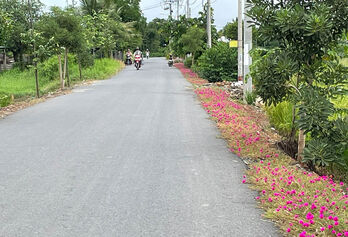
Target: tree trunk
[36, 73]
[37, 81]
[65, 59]
[293, 129]
[193, 59]
[15, 56]
[60, 71]
[21, 60]
[301, 145]
[67, 68]
[80, 69]
[4, 62]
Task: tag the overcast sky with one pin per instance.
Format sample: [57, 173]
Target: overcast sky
[224, 10]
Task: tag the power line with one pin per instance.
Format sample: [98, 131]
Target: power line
[152, 6]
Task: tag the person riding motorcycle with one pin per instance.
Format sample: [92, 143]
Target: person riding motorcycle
[170, 61]
[128, 57]
[138, 53]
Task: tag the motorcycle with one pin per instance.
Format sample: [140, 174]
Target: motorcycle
[170, 61]
[137, 61]
[128, 59]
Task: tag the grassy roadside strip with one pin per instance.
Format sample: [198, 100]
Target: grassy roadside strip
[300, 202]
[20, 85]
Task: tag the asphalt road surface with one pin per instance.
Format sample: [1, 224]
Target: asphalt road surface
[133, 156]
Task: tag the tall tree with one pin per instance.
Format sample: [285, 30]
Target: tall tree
[22, 14]
[230, 30]
[193, 41]
[64, 28]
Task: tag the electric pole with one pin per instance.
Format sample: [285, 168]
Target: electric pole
[170, 10]
[178, 9]
[188, 9]
[209, 23]
[247, 88]
[240, 41]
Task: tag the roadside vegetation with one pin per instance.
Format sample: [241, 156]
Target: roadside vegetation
[57, 48]
[299, 74]
[295, 139]
[17, 83]
[301, 202]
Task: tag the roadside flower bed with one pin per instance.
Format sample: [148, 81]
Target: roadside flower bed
[302, 203]
[189, 75]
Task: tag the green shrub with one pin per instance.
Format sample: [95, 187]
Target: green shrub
[157, 54]
[250, 98]
[49, 68]
[280, 116]
[331, 149]
[4, 100]
[219, 63]
[86, 59]
[188, 62]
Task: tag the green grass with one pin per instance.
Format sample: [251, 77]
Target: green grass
[280, 117]
[22, 83]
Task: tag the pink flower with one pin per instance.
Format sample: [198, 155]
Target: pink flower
[322, 228]
[288, 230]
[309, 216]
[243, 181]
[302, 234]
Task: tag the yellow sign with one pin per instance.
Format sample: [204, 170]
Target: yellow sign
[233, 44]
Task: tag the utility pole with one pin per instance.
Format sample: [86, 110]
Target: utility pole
[170, 10]
[209, 24]
[240, 41]
[177, 9]
[188, 9]
[247, 88]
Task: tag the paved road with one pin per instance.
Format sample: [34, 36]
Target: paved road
[132, 156]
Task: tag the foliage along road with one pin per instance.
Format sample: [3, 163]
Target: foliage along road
[135, 155]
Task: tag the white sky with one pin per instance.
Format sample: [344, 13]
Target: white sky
[224, 10]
